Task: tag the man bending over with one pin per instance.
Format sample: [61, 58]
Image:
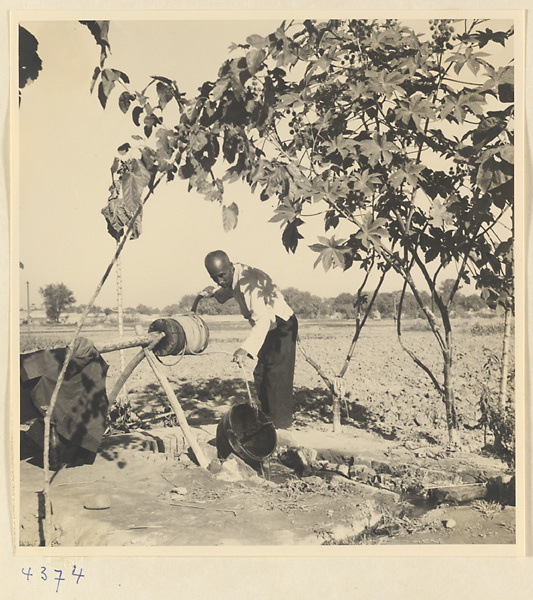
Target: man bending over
[272, 340]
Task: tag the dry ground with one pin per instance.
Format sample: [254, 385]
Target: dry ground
[394, 439]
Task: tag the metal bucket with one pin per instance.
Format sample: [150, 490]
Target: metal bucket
[247, 432]
[184, 333]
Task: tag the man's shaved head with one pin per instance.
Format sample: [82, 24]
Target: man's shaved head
[216, 260]
[220, 268]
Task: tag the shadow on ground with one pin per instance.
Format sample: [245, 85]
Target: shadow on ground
[205, 402]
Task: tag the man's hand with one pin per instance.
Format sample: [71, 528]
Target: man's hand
[239, 355]
[207, 292]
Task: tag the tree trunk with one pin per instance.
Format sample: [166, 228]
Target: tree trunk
[449, 396]
[502, 399]
[336, 413]
[449, 402]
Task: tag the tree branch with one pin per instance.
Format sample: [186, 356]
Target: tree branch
[360, 325]
[411, 354]
[316, 366]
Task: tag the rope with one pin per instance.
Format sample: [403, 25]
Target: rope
[203, 326]
[245, 377]
[180, 356]
[244, 372]
[186, 348]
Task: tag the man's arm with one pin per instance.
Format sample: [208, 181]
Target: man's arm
[220, 294]
[262, 319]
[257, 336]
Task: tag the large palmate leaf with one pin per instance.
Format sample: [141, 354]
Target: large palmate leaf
[365, 181]
[331, 252]
[473, 60]
[341, 144]
[410, 173]
[440, 216]
[165, 93]
[386, 83]
[100, 31]
[416, 108]
[378, 149]
[372, 231]
[285, 213]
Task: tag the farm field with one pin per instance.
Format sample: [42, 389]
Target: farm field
[366, 485]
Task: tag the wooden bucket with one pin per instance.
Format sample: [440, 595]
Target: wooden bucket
[186, 334]
[247, 432]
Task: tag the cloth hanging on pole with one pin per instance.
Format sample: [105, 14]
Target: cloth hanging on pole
[82, 405]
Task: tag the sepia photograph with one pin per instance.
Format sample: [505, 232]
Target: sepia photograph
[269, 283]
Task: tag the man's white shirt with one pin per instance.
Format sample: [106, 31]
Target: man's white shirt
[259, 301]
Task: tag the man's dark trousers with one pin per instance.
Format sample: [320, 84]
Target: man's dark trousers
[274, 373]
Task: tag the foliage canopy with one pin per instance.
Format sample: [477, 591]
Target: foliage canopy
[407, 137]
[403, 139]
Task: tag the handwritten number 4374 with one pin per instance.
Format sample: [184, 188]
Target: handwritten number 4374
[59, 578]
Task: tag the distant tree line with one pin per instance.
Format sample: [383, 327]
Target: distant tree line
[309, 306]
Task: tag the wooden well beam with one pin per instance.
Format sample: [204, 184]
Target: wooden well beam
[146, 339]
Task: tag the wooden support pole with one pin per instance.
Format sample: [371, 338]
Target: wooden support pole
[47, 532]
[132, 365]
[120, 315]
[182, 420]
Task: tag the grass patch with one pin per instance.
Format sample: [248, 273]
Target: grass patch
[31, 343]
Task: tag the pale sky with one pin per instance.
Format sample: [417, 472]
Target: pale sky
[67, 145]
